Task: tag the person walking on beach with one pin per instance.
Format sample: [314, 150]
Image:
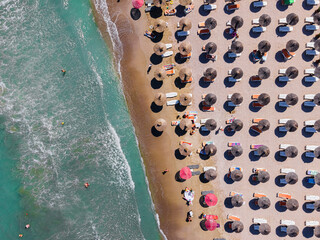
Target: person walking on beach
[165, 171]
[149, 68]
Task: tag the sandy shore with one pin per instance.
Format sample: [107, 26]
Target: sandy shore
[158, 152]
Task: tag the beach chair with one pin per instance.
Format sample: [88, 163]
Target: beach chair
[201, 24]
[256, 129]
[310, 147]
[149, 34]
[233, 217]
[259, 220]
[232, 7]
[208, 108]
[259, 195]
[231, 79]
[283, 181]
[175, 123]
[311, 198]
[203, 31]
[311, 223]
[167, 54]
[255, 21]
[171, 94]
[231, 104]
[311, 27]
[203, 121]
[187, 81]
[257, 170]
[206, 192]
[285, 29]
[311, 78]
[188, 9]
[310, 130]
[255, 146]
[184, 142]
[284, 79]
[264, 57]
[232, 194]
[256, 120]
[233, 55]
[309, 122]
[284, 146]
[284, 196]
[309, 20]
[209, 7]
[172, 102]
[259, 29]
[230, 120]
[169, 66]
[308, 97]
[286, 170]
[283, 104]
[208, 168]
[283, 21]
[235, 168]
[183, 33]
[312, 52]
[310, 45]
[231, 144]
[170, 72]
[313, 2]
[310, 206]
[287, 222]
[312, 172]
[311, 180]
[255, 78]
[287, 55]
[259, 4]
[170, 12]
[283, 120]
[309, 71]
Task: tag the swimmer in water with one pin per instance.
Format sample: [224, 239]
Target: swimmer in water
[86, 185]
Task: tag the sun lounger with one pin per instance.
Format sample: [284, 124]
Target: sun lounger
[284, 195]
[255, 21]
[284, 79]
[203, 121]
[282, 71]
[167, 54]
[255, 146]
[283, 120]
[203, 31]
[256, 129]
[208, 108]
[188, 9]
[309, 122]
[230, 120]
[308, 97]
[204, 129]
[255, 78]
[231, 144]
[175, 123]
[310, 130]
[233, 217]
[187, 81]
[283, 104]
[287, 170]
[169, 66]
[311, 223]
[170, 12]
[259, 29]
[282, 96]
[259, 195]
[182, 142]
[196, 166]
[201, 24]
[287, 222]
[311, 78]
[206, 143]
[196, 173]
[309, 20]
[311, 181]
[311, 198]
[257, 170]
[283, 181]
[231, 79]
[259, 220]
[208, 168]
[310, 154]
[256, 120]
[285, 29]
[259, 4]
[206, 192]
[235, 168]
[149, 35]
[312, 172]
[313, 2]
[231, 104]
[233, 55]
[210, 7]
[255, 96]
[286, 54]
[312, 52]
[170, 72]
[284, 146]
[309, 71]
[231, 194]
[282, 21]
[310, 147]
[232, 7]
[311, 27]
[214, 217]
[172, 102]
[310, 45]
[183, 33]
[171, 94]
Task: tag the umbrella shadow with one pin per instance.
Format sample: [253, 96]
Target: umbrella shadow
[155, 108]
[279, 108]
[306, 6]
[307, 232]
[305, 133]
[177, 177]
[227, 83]
[227, 107]
[253, 205]
[254, 83]
[226, 34]
[280, 208]
[227, 59]
[203, 59]
[254, 9]
[228, 155]
[155, 59]
[307, 58]
[179, 107]
[228, 131]
[155, 84]
[180, 11]
[204, 157]
[280, 84]
[178, 155]
[179, 131]
[227, 227]
[306, 184]
[203, 12]
[156, 12]
[252, 230]
[278, 133]
[204, 133]
[279, 57]
[277, 181]
[204, 36]
[178, 83]
[280, 233]
[158, 37]
[135, 14]
[155, 132]
[226, 11]
[253, 157]
[227, 203]
[305, 209]
[227, 179]
[306, 108]
[306, 159]
[203, 225]
[279, 158]
[202, 202]
[306, 84]
[254, 109]
[307, 32]
[280, 34]
[179, 38]
[203, 83]
[281, 7]
[254, 34]
[202, 178]
[253, 133]
[179, 59]
[251, 181]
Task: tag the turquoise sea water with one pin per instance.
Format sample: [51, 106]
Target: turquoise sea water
[44, 164]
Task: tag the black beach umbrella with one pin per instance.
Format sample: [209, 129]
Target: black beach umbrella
[210, 99]
[236, 125]
[185, 48]
[210, 174]
[160, 74]
[210, 73]
[236, 22]
[264, 229]
[292, 72]
[185, 74]
[160, 125]
[291, 151]
[237, 47]
[292, 46]
[264, 99]
[292, 99]
[317, 125]
[185, 2]
[237, 201]
[210, 124]
[210, 149]
[263, 176]
[236, 151]
[210, 47]
[317, 178]
[264, 125]
[317, 152]
[237, 226]
[263, 151]
[264, 46]
[292, 19]
[292, 231]
[317, 205]
[160, 99]
[185, 24]
[316, 18]
[264, 72]
[317, 72]
[292, 204]
[291, 125]
[264, 20]
[236, 73]
[210, 23]
[264, 203]
[185, 149]
[317, 45]
[236, 98]
[291, 178]
[185, 124]
[159, 48]
[317, 231]
[316, 99]
[236, 175]
[159, 26]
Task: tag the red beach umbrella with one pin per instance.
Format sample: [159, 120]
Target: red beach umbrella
[137, 3]
[185, 173]
[211, 224]
[211, 200]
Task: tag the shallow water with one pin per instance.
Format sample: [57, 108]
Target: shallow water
[44, 163]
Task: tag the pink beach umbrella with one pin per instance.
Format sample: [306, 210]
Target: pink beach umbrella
[211, 224]
[137, 3]
[185, 173]
[211, 199]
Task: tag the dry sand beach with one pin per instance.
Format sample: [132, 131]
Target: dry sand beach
[159, 152]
